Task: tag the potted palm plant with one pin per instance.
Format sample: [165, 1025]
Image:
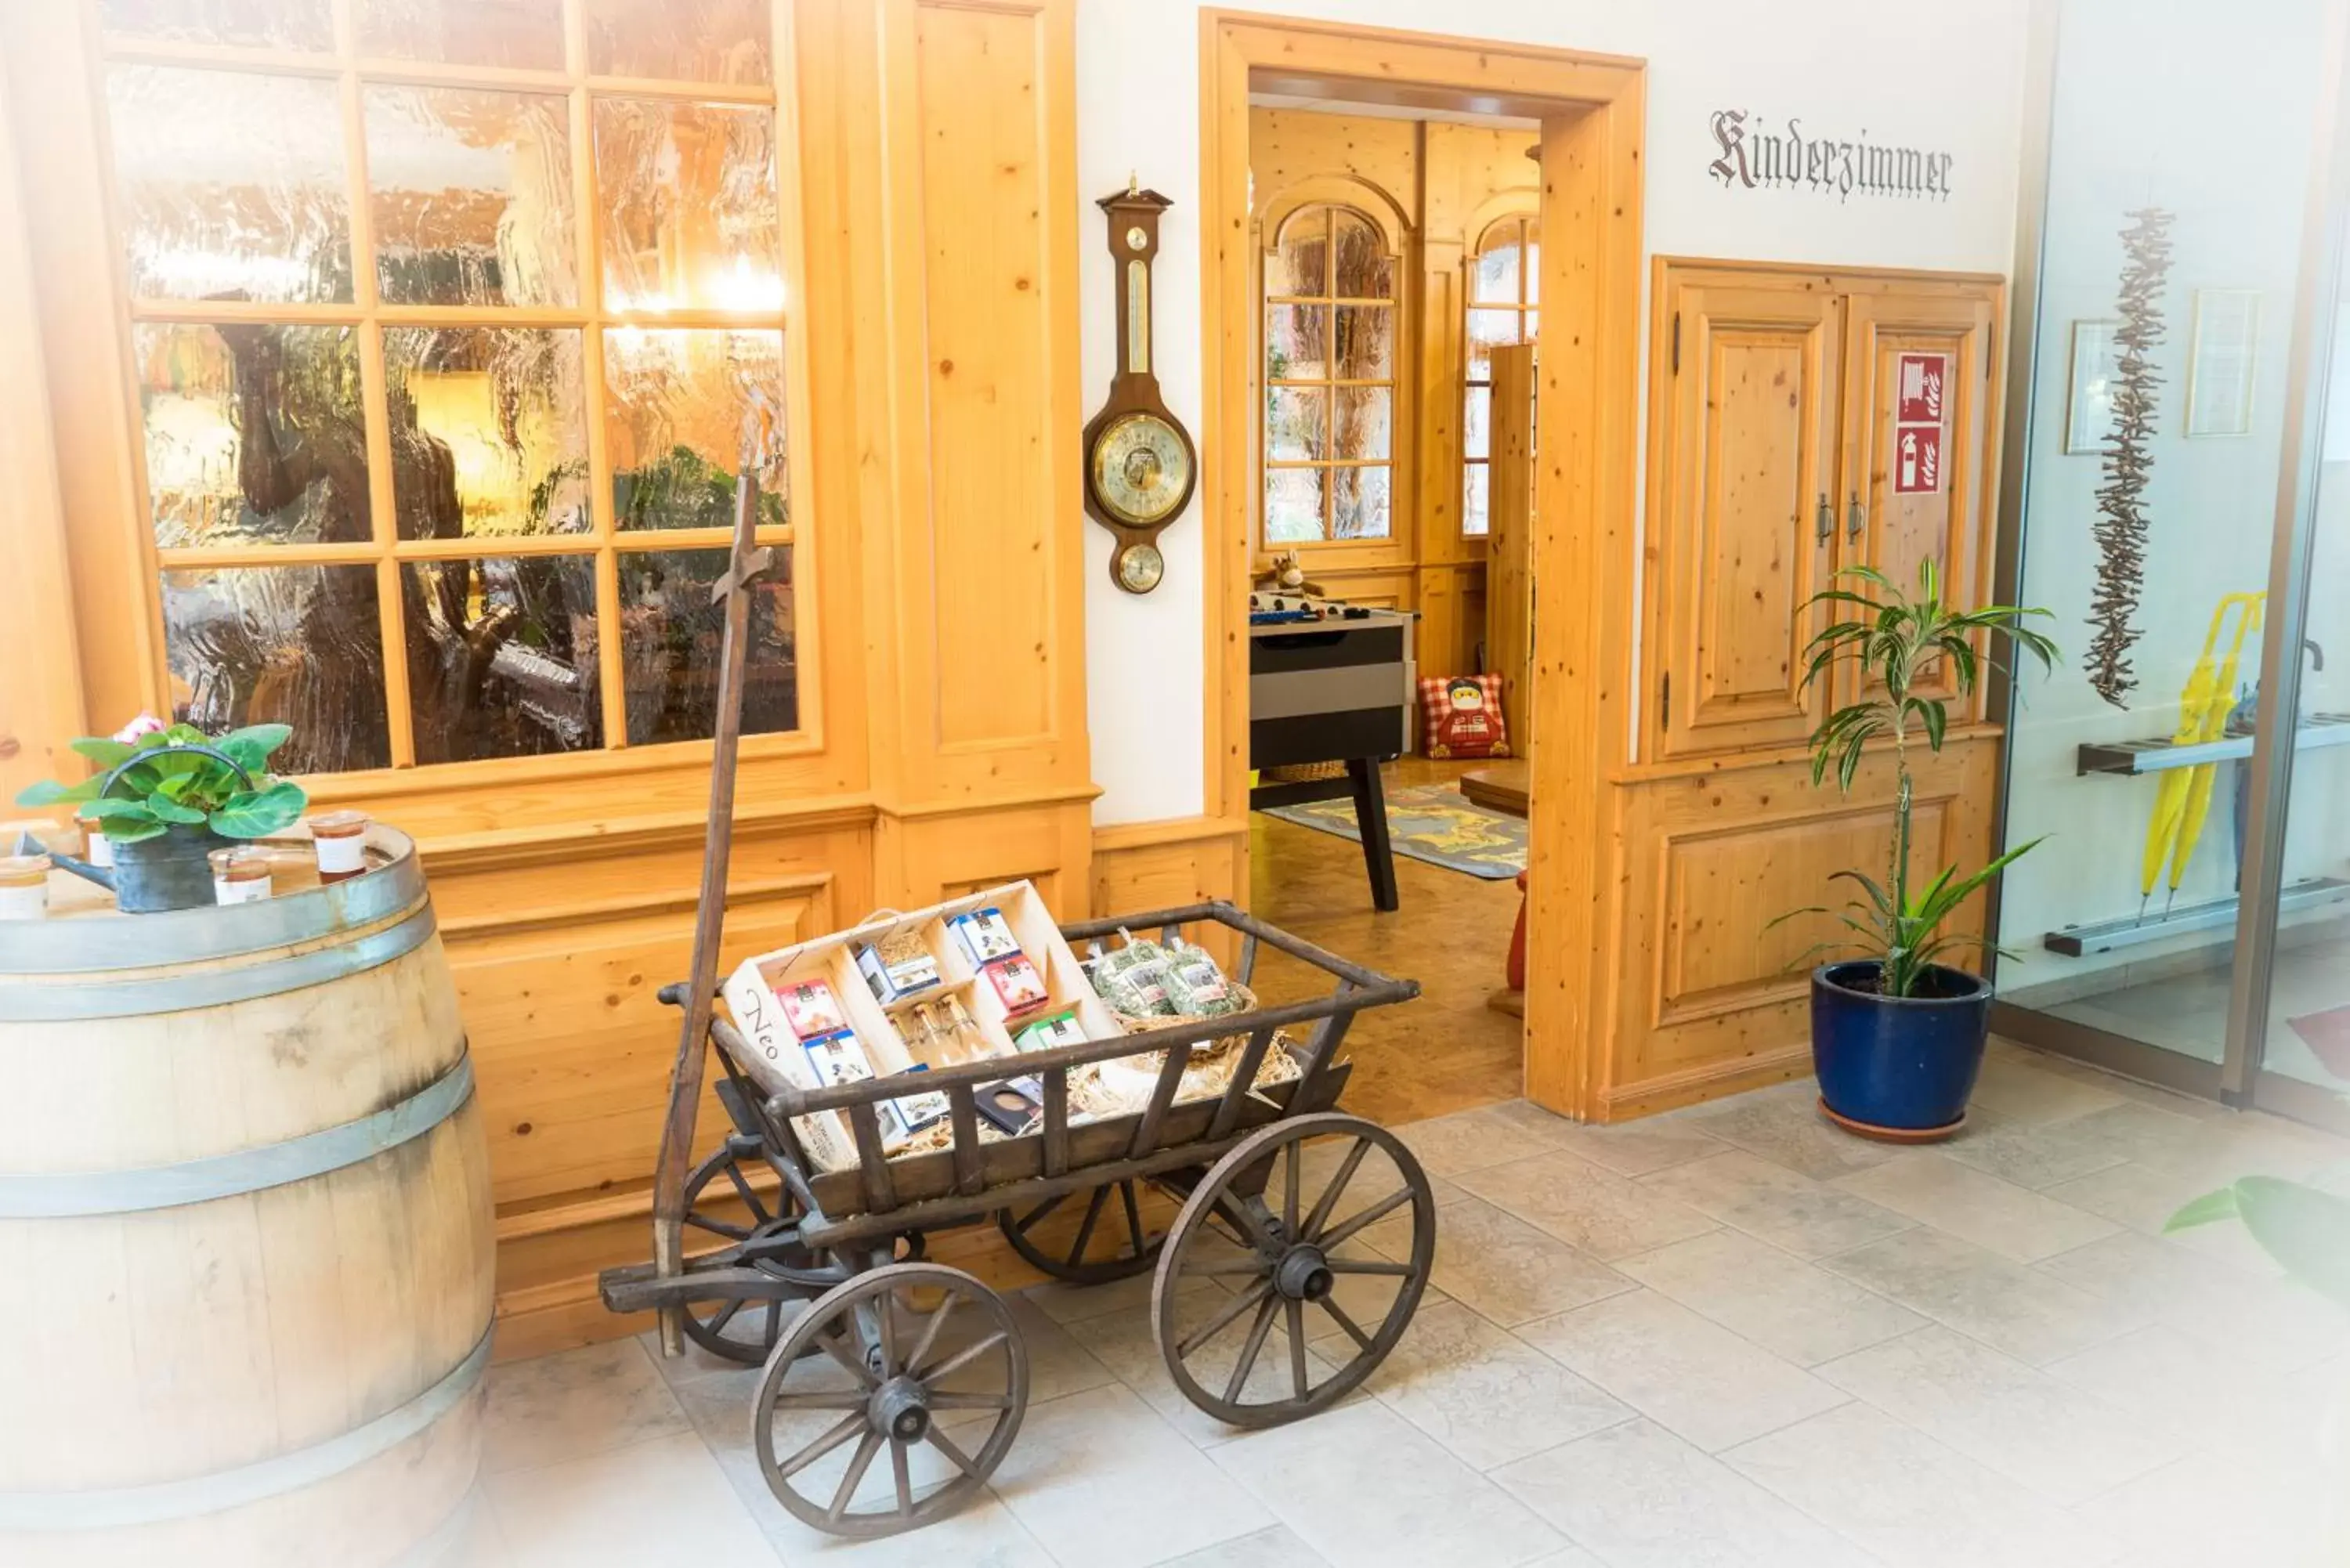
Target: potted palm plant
[1896, 1034]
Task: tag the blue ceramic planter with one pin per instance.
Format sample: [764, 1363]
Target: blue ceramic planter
[1903, 1066]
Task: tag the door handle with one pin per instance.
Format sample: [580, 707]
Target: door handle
[1827, 518]
[1851, 518]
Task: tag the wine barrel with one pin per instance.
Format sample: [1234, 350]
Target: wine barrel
[246, 1234]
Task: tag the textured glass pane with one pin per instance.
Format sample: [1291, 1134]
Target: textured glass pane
[1359, 503]
[1533, 265]
[694, 40]
[232, 185]
[1366, 343]
[1496, 281]
[1475, 515]
[265, 23]
[1487, 328]
[1293, 504]
[283, 644]
[487, 433]
[526, 33]
[1364, 415]
[670, 634]
[1477, 426]
[1532, 326]
[502, 657]
[690, 212]
[1296, 342]
[1301, 263]
[254, 434]
[1365, 270]
[1296, 423]
[684, 411]
[472, 196]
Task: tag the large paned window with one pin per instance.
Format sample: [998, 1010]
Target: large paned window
[1330, 337]
[450, 322]
[1501, 310]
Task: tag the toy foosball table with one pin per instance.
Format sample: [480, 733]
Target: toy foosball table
[1331, 683]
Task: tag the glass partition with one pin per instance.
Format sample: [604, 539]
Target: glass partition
[2174, 270]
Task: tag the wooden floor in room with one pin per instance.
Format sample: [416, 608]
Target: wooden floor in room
[1446, 1051]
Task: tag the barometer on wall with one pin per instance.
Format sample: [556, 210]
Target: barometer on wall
[1140, 465]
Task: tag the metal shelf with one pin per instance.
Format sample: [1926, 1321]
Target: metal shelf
[2075, 941]
[2316, 732]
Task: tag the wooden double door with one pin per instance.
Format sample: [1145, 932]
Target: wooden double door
[1810, 421]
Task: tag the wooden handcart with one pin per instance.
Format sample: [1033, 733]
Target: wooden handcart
[873, 1354]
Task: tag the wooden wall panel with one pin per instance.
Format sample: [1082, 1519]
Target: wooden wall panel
[1160, 865]
[1712, 998]
[988, 346]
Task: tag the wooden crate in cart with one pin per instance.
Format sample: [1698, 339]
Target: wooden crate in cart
[893, 1386]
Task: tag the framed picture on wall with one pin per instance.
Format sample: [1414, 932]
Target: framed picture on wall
[2222, 351]
[2089, 402]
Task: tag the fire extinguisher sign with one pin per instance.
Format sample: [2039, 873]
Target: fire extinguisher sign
[1917, 398]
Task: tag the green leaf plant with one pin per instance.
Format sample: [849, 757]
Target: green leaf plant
[1899, 643]
[2306, 1229]
[179, 789]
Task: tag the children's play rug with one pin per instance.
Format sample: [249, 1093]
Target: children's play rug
[1430, 823]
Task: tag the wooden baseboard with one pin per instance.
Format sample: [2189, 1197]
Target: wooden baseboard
[1711, 1081]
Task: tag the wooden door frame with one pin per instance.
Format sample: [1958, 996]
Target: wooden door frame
[1587, 427]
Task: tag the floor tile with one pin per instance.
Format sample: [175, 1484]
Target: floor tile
[2161, 1138]
[1469, 1140]
[1276, 1548]
[2023, 1092]
[1911, 1500]
[2031, 1315]
[1784, 1126]
[1595, 1211]
[663, 1500]
[2262, 1322]
[1101, 1480]
[2144, 1199]
[1790, 1212]
[1367, 1489]
[576, 1402]
[2035, 1430]
[2036, 1155]
[1481, 1392]
[1509, 1272]
[1642, 1498]
[2009, 1219]
[1628, 1149]
[1687, 1373]
[1791, 1308]
[2222, 1508]
[2174, 1383]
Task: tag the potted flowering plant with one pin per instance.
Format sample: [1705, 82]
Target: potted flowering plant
[169, 795]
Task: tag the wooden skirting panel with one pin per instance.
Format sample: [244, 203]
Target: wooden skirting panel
[1711, 998]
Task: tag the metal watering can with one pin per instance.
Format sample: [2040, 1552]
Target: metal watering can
[169, 871]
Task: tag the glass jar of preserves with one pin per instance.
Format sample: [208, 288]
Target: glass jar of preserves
[23, 886]
[340, 840]
[241, 875]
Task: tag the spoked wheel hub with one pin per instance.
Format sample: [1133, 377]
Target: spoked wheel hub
[1303, 1273]
[900, 1408]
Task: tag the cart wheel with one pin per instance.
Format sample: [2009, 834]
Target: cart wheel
[740, 1328]
[1099, 1252]
[1272, 1225]
[943, 1390]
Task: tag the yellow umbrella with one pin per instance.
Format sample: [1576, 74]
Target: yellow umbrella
[2183, 797]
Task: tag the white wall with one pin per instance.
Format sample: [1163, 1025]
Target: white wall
[1941, 78]
[2233, 167]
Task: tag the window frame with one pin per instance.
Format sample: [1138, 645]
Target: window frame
[1520, 228]
[370, 318]
[1327, 206]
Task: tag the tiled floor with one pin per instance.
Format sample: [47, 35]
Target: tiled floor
[1733, 1336]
